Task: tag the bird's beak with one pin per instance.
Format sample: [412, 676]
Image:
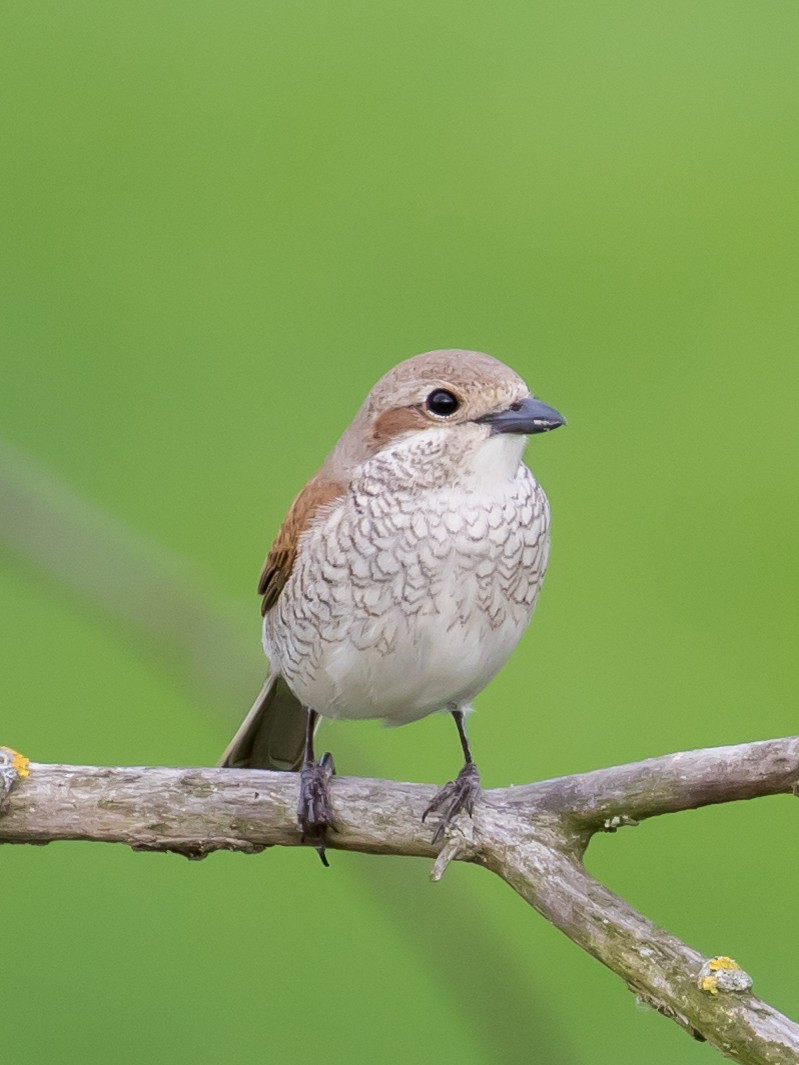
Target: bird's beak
[528, 416]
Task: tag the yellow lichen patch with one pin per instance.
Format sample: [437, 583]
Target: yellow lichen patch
[722, 962]
[723, 974]
[21, 764]
[15, 761]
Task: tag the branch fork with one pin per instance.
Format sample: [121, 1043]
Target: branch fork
[532, 836]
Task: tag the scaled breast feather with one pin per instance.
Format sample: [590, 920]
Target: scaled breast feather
[317, 493]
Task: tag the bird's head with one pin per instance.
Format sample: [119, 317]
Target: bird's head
[464, 407]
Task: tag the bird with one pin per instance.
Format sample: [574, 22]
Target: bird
[404, 573]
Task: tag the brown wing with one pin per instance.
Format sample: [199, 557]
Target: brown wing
[317, 493]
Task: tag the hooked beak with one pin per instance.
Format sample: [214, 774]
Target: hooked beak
[528, 416]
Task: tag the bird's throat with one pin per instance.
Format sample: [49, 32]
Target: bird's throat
[494, 461]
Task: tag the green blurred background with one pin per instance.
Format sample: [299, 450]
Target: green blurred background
[221, 223]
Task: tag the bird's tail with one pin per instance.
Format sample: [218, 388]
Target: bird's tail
[272, 735]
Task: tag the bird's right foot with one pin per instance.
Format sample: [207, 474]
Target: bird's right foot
[314, 812]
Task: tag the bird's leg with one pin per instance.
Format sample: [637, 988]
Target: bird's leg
[314, 813]
[460, 793]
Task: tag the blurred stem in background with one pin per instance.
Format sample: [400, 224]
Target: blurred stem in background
[161, 600]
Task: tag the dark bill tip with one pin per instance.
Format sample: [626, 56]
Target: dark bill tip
[528, 416]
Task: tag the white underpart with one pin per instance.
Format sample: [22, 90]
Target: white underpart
[409, 596]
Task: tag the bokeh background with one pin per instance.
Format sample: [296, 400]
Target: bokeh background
[221, 223]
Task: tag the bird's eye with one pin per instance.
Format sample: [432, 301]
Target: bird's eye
[442, 403]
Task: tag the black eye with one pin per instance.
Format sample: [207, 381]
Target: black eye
[442, 403]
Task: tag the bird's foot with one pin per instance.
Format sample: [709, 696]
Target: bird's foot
[459, 794]
[314, 812]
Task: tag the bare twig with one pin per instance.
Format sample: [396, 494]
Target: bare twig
[687, 780]
[531, 836]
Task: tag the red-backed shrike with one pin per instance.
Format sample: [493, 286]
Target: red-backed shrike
[405, 572]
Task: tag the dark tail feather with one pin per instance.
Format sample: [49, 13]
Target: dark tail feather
[272, 735]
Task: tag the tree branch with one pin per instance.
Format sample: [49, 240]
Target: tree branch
[532, 836]
[687, 780]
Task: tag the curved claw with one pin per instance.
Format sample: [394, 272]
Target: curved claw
[459, 794]
[314, 812]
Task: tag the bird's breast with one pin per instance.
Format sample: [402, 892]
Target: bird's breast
[402, 603]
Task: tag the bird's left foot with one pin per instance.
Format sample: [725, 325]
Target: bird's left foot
[459, 794]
